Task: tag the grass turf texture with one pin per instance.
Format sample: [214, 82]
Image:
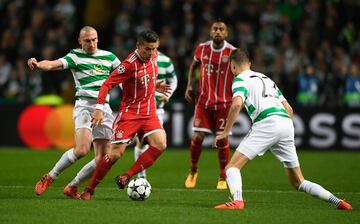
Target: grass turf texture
[269, 196]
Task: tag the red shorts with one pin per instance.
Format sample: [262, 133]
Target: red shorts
[127, 126]
[210, 121]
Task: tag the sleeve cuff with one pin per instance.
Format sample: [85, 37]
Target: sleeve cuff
[64, 62]
[99, 107]
[282, 98]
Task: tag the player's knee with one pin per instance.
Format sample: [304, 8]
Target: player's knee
[198, 138]
[81, 150]
[116, 151]
[114, 156]
[223, 144]
[161, 145]
[98, 158]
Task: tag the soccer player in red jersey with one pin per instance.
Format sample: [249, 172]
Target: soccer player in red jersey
[137, 113]
[213, 99]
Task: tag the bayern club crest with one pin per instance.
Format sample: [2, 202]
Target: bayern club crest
[225, 59]
[119, 134]
[197, 122]
[121, 69]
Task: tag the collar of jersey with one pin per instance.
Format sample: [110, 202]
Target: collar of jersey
[245, 72]
[217, 50]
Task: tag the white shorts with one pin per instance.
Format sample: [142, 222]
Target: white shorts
[274, 133]
[82, 118]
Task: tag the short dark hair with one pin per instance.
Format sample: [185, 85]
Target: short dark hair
[219, 20]
[148, 36]
[240, 56]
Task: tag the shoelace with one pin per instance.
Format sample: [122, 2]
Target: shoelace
[229, 204]
[43, 179]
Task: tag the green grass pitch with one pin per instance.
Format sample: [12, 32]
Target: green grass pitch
[269, 197]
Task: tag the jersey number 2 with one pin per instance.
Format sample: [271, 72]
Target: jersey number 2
[269, 86]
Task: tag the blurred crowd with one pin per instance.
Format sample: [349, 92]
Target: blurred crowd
[311, 48]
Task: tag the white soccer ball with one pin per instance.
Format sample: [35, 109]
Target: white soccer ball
[139, 189]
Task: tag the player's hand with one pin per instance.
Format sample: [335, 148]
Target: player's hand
[97, 117]
[164, 98]
[189, 94]
[222, 137]
[163, 88]
[32, 63]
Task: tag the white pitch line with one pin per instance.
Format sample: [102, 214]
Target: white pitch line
[183, 190]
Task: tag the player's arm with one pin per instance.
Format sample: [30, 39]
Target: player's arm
[172, 80]
[45, 65]
[288, 108]
[191, 79]
[284, 102]
[116, 77]
[236, 105]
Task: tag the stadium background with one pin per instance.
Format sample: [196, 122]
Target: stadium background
[282, 36]
[310, 48]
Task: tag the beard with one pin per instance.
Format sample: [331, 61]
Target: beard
[218, 39]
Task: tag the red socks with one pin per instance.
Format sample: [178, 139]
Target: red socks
[102, 168]
[223, 155]
[195, 152]
[144, 161]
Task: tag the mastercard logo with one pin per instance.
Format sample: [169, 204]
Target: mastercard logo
[43, 127]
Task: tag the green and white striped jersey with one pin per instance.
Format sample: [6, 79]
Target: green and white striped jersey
[261, 97]
[89, 70]
[167, 73]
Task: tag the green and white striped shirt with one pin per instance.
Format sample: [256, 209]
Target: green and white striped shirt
[261, 97]
[89, 70]
[167, 73]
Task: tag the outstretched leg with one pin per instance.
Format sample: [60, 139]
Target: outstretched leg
[102, 168]
[101, 147]
[298, 181]
[83, 139]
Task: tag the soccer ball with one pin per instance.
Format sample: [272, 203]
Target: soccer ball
[139, 189]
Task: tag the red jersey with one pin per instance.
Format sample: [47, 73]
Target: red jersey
[216, 78]
[138, 80]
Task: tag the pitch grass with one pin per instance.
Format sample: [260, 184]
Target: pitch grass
[269, 197]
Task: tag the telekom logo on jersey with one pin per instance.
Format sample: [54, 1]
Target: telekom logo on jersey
[145, 79]
[209, 68]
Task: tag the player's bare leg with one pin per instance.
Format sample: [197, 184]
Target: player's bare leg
[102, 168]
[237, 162]
[195, 152]
[83, 139]
[101, 147]
[298, 181]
